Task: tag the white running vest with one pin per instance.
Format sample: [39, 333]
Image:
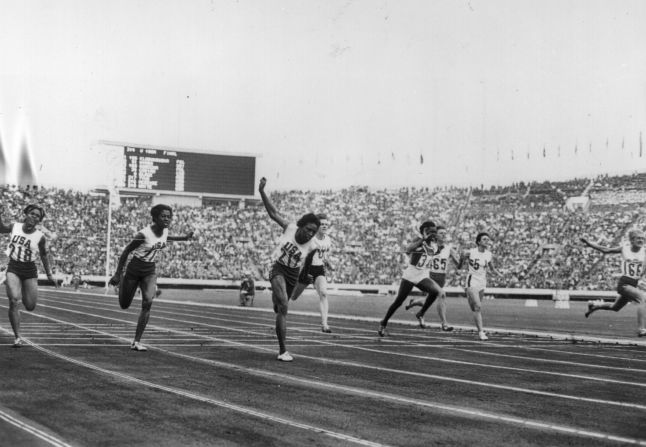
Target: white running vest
[152, 245]
[632, 263]
[22, 246]
[440, 262]
[289, 252]
[478, 261]
[323, 245]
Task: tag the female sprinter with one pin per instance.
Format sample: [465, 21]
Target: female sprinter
[439, 267]
[479, 258]
[293, 247]
[314, 271]
[416, 274]
[22, 276]
[141, 271]
[633, 258]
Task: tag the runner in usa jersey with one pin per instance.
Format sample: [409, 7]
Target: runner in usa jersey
[420, 252]
[293, 247]
[479, 259]
[438, 268]
[633, 260]
[314, 270]
[26, 243]
[141, 270]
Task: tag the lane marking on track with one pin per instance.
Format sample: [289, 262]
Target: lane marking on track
[502, 331]
[560, 362]
[379, 368]
[52, 440]
[533, 424]
[410, 343]
[381, 351]
[209, 400]
[441, 359]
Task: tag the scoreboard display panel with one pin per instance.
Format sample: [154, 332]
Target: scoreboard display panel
[188, 172]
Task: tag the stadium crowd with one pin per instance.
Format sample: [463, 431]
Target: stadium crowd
[536, 239]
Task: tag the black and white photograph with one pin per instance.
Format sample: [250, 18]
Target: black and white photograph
[322, 223]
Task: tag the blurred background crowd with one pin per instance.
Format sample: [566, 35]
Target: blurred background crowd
[536, 237]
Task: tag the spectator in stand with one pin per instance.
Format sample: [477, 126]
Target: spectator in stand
[247, 290]
[524, 217]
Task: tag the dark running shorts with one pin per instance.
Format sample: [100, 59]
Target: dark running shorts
[23, 270]
[290, 275]
[138, 269]
[439, 278]
[309, 276]
[625, 281]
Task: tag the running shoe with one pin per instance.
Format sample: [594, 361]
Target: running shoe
[410, 304]
[17, 343]
[447, 328]
[136, 346]
[641, 333]
[382, 330]
[285, 357]
[420, 319]
[590, 308]
[326, 329]
[482, 335]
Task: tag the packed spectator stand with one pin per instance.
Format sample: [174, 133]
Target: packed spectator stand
[536, 239]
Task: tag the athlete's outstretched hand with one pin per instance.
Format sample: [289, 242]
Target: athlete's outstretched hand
[584, 240]
[115, 280]
[263, 182]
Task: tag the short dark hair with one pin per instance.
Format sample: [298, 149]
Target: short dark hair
[481, 235]
[426, 224]
[29, 208]
[156, 210]
[308, 218]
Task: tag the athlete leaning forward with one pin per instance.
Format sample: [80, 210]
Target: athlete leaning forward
[633, 259]
[420, 256]
[438, 269]
[22, 275]
[141, 271]
[294, 245]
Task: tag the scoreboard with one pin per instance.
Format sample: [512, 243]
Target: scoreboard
[190, 172]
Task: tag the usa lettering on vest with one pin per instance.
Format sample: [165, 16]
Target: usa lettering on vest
[21, 240]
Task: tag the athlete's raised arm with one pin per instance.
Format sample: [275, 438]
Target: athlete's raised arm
[269, 206]
[601, 248]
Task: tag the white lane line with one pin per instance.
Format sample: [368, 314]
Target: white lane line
[561, 362]
[434, 405]
[540, 334]
[202, 398]
[578, 353]
[282, 376]
[52, 440]
[409, 343]
[451, 361]
[379, 368]
[380, 351]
